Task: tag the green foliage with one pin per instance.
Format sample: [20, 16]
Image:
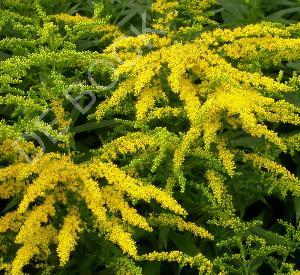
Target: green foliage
[235, 12]
[171, 151]
[128, 12]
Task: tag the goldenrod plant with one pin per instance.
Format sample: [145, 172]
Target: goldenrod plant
[170, 151]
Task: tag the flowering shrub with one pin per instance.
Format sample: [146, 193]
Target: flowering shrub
[142, 154]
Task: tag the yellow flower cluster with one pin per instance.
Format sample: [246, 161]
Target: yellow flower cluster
[169, 11]
[182, 151]
[68, 235]
[219, 190]
[282, 178]
[59, 170]
[223, 95]
[10, 221]
[227, 158]
[93, 196]
[93, 25]
[130, 143]
[114, 200]
[34, 237]
[293, 143]
[38, 244]
[199, 261]
[128, 48]
[185, 13]
[188, 103]
[146, 102]
[107, 191]
[270, 165]
[69, 19]
[133, 187]
[181, 225]
[12, 180]
[120, 94]
[9, 150]
[117, 234]
[60, 115]
[158, 113]
[266, 50]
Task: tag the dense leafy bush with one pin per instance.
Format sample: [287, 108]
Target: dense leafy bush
[173, 150]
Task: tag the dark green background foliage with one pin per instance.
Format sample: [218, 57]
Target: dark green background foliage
[253, 203]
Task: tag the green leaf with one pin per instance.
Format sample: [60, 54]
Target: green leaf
[75, 113]
[293, 98]
[247, 142]
[256, 263]
[94, 125]
[274, 3]
[295, 66]
[184, 243]
[164, 236]
[282, 13]
[13, 203]
[297, 207]
[152, 268]
[4, 55]
[271, 238]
